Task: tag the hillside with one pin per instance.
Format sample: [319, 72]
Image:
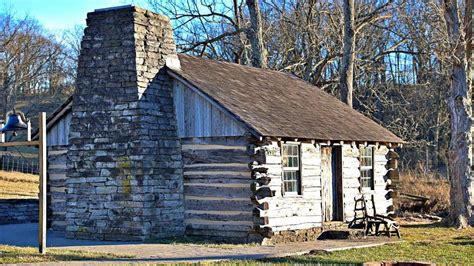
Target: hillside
[14, 185]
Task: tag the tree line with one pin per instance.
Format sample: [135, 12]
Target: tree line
[37, 68]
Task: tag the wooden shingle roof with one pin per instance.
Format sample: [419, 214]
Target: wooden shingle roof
[277, 104]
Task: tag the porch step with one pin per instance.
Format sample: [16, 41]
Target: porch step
[342, 234]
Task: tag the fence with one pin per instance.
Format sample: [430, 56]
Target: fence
[19, 164]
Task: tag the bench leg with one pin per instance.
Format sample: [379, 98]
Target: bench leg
[377, 228]
[397, 229]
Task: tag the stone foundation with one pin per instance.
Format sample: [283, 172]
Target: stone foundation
[18, 211]
[302, 235]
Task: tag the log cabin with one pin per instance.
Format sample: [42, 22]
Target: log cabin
[158, 144]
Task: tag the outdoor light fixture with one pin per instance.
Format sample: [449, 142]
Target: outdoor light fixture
[16, 121]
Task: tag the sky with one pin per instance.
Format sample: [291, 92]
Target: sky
[57, 15]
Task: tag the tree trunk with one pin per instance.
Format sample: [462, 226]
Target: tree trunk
[437, 127]
[255, 35]
[347, 65]
[240, 56]
[459, 105]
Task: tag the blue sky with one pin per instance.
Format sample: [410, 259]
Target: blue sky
[57, 15]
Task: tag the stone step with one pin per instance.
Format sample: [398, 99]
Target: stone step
[335, 225]
[342, 234]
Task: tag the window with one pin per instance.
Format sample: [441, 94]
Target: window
[366, 167]
[291, 168]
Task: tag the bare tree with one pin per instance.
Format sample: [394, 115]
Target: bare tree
[211, 28]
[459, 106]
[255, 34]
[32, 64]
[348, 56]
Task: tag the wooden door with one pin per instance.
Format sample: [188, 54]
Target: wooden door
[331, 183]
[327, 183]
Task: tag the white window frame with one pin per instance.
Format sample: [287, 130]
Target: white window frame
[364, 168]
[296, 169]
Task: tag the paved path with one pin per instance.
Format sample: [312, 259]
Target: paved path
[26, 234]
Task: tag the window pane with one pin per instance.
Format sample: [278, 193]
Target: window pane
[290, 181]
[293, 162]
[290, 163]
[290, 155]
[366, 167]
[295, 150]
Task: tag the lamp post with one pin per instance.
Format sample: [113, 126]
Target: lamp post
[15, 122]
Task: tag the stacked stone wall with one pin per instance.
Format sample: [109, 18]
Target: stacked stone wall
[18, 211]
[124, 178]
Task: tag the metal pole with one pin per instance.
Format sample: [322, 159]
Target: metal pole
[42, 185]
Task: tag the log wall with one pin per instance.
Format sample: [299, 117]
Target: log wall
[217, 191]
[279, 212]
[350, 179]
[56, 187]
[351, 183]
[383, 200]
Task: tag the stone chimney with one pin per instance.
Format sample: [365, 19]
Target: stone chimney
[124, 164]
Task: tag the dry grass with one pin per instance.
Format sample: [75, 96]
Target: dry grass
[15, 185]
[426, 185]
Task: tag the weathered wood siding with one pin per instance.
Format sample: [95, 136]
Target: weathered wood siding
[59, 134]
[350, 179]
[198, 117]
[382, 200]
[351, 183]
[56, 187]
[217, 188]
[327, 193]
[292, 212]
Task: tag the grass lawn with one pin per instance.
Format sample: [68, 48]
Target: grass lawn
[426, 243]
[15, 185]
[11, 254]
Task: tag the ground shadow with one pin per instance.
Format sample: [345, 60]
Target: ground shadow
[430, 225]
[26, 235]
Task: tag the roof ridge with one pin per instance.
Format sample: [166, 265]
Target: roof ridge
[240, 65]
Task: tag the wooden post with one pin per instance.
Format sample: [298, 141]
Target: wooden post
[2, 135]
[42, 184]
[28, 133]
